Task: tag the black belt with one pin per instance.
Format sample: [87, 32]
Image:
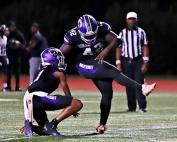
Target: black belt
[132, 59]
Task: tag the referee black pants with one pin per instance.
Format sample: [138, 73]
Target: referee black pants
[132, 69]
[102, 76]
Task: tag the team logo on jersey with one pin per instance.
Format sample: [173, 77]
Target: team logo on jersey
[83, 45]
[89, 67]
[51, 97]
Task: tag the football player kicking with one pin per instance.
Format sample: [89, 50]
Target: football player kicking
[37, 98]
[89, 39]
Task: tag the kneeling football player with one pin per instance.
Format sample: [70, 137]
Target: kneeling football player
[37, 99]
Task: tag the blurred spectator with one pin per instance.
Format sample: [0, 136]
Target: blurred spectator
[16, 42]
[3, 57]
[37, 44]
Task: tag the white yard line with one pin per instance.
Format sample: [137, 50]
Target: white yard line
[8, 100]
[22, 138]
[8, 139]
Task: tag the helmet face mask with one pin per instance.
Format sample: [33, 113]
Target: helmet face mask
[53, 56]
[87, 28]
[89, 39]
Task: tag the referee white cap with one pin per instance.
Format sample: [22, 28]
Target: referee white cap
[132, 15]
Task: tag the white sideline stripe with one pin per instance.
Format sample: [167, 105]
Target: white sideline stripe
[8, 100]
[152, 128]
[8, 139]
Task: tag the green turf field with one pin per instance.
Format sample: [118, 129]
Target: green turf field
[159, 124]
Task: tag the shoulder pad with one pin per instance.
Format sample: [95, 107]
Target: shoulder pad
[69, 35]
[104, 26]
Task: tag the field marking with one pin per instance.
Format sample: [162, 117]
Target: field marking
[115, 124]
[8, 100]
[159, 127]
[171, 141]
[22, 138]
[9, 139]
[28, 139]
[120, 129]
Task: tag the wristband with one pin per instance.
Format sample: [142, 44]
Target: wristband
[145, 59]
[118, 62]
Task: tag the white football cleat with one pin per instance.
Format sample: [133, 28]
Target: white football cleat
[147, 89]
[101, 128]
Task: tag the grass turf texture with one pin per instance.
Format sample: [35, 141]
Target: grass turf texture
[158, 124]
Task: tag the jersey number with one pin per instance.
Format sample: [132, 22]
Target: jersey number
[73, 33]
[97, 48]
[2, 50]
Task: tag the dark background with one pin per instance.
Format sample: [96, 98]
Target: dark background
[157, 17]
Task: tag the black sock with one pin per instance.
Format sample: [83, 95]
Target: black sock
[105, 110]
[54, 122]
[125, 81]
[38, 130]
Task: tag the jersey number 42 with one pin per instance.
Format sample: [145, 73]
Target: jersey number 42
[97, 48]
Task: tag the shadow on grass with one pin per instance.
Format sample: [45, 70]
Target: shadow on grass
[49, 138]
[85, 136]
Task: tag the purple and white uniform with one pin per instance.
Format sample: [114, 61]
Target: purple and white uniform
[87, 47]
[3, 56]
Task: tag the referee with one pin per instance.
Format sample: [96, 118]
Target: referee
[132, 58]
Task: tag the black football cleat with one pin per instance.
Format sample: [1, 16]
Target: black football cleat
[18, 89]
[143, 110]
[6, 89]
[50, 129]
[28, 129]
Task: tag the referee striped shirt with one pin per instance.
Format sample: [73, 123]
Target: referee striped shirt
[133, 41]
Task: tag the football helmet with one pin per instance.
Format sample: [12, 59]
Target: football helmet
[87, 27]
[53, 56]
[2, 29]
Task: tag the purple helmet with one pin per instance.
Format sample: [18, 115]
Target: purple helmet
[88, 28]
[53, 56]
